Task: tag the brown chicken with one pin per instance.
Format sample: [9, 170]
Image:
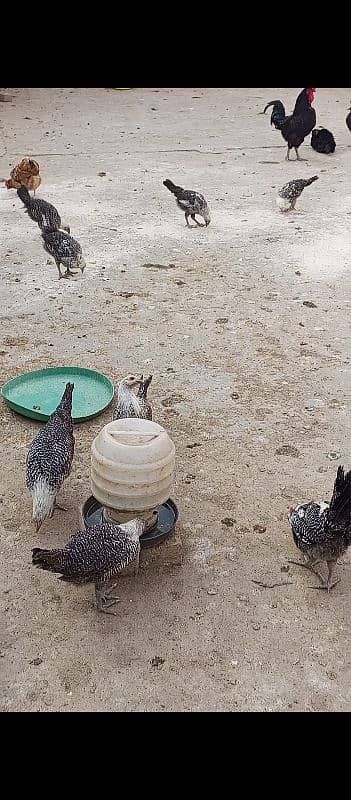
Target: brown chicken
[25, 174]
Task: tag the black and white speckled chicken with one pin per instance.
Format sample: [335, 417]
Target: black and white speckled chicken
[50, 459]
[322, 141]
[322, 531]
[191, 203]
[300, 124]
[289, 194]
[65, 250]
[45, 214]
[95, 556]
[348, 120]
[130, 404]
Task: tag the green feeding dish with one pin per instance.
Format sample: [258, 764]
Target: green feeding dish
[37, 394]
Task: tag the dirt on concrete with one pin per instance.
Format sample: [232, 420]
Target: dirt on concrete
[247, 329]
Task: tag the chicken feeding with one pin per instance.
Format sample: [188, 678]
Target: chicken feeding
[65, 250]
[289, 194]
[131, 404]
[25, 174]
[45, 214]
[323, 141]
[348, 120]
[322, 531]
[49, 459]
[296, 127]
[191, 203]
[95, 556]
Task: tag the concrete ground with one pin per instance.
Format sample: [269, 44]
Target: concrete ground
[249, 325]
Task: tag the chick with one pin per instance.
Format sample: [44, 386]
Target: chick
[289, 194]
[65, 250]
[50, 459]
[130, 404]
[322, 531]
[95, 556]
[191, 203]
[322, 141]
[41, 212]
[25, 174]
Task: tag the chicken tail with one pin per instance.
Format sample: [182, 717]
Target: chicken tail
[311, 180]
[278, 113]
[172, 187]
[24, 195]
[339, 512]
[144, 385]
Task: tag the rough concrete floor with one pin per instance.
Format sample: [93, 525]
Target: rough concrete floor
[227, 333]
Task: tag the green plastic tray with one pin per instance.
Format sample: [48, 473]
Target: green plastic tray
[37, 394]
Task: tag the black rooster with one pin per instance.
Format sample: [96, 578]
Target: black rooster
[295, 128]
[348, 120]
[323, 141]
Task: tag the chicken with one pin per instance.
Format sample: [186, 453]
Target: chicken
[41, 212]
[289, 194]
[191, 203]
[348, 120]
[25, 174]
[323, 141]
[322, 531]
[130, 404]
[65, 250]
[50, 459]
[94, 556]
[295, 128]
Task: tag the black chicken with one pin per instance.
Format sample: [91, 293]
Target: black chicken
[295, 128]
[45, 214]
[348, 120]
[190, 202]
[323, 141]
[322, 531]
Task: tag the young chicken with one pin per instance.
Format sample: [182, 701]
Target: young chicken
[95, 556]
[50, 459]
[41, 212]
[191, 203]
[322, 141]
[130, 404]
[322, 531]
[25, 174]
[65, 250]
[289, 194]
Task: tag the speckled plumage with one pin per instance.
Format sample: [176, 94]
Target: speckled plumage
[290, 192]
[94, 556]
[323, 531]
[65, 250]
[50, 457]
[190, 202]
[133, 405]
[40, 211]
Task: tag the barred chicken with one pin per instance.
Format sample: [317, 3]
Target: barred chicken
[191, 203]
[50, 459]
[131, 404]
[95, 556]
[25, 174]
[41, 212]
[300, 124]
[289, 194]
[322, 531]
[322, 141]
[65, 250]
